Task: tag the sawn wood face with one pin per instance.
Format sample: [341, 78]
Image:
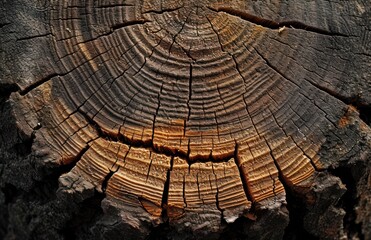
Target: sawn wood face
[190, 110]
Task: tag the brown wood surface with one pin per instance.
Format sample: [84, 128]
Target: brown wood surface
[195, 115]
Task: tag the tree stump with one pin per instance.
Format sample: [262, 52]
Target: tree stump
[185, 119]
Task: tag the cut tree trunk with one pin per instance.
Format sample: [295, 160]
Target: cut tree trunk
[206, 119]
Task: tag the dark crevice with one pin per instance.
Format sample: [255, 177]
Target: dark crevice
[176, 35]
[273, 24]
[38, 83]
[205, 159]
[165, 194]
[129, 23]
[4, 24]
[96, 126]
[364, 112]
[10, 193]
[281, 177]
[187, 52]
[150, 165]
[295, 205]
[167, 151]
[188, 151]
[114, 5]
[70, 163]
[349, 200]
[163, 10]
[160, 232]
[107, 178]
[6, 90]
[295, 202]
[364, 109]
[243, 176]
[222, 220]
[32, 37]
[79, 155]
[24, 148]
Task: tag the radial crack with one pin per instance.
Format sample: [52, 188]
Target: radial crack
[68, 164]
[38, 83]
[292, 139]
[217, 194]
[107, 178]
[217, 127]
[117, 159]
[148, 57]
[71, 135]
[346, 100]
[115, 5]
[281, 177]
[273, 24]
[165, 195]
[217, 35]
[165, 10]
[156, 113]
[243, 177]
[274, 185]
[129, 23]
[150, 165]
[78, 108]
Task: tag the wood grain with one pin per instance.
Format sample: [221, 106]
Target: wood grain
[195, 111]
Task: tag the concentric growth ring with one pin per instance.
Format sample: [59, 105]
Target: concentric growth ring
[178, 105]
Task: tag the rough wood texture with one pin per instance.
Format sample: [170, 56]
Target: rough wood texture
[185, 119]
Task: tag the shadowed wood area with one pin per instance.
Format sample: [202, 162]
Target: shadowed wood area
[195, 117]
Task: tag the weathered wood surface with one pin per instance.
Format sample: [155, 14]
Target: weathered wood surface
[185, 119]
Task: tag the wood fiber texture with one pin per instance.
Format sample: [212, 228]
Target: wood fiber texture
[185, 119]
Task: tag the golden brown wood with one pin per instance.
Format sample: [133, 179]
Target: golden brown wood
[195, 111]
[182, 80]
